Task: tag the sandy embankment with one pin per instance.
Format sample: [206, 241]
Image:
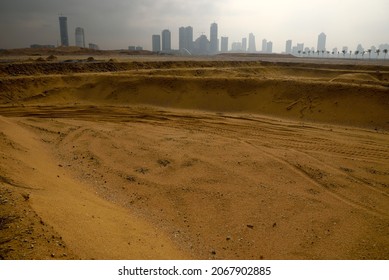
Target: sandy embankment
[199, 160]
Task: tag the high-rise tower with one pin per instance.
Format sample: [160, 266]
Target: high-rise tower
[252, 48]
[224, 44]
[288, 47]
[166, 41]
[321, 42]
[214, 42]
[156, 43]
[63, 28]
[186, 38]
[244, 45]
[80, 37]
[264, 45]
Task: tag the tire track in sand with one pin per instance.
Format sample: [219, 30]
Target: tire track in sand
[309, 177]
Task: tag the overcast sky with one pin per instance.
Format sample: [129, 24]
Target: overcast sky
[116, 24]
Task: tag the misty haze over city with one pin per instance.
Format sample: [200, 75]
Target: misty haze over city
[118, 24]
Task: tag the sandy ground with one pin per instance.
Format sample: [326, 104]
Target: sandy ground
[198, 159]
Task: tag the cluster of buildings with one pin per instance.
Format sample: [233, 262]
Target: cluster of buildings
[322, 50]
[79, 35]
[204, 46]
[187, 44]
[299, 48]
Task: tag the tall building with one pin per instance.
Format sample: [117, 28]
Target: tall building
[156, 43]
[224, 44]
[288, 47]
[63, 28]
[80, 37]
[264, 45]
[252, 48]
[166, 41]
[321, 42]
[269, 47]
[244, 45]
[185, 40]
[214, 41]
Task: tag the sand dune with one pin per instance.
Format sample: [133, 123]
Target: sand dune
[194, 160]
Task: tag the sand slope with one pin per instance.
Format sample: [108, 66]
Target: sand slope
[337, 96]
[229, 162]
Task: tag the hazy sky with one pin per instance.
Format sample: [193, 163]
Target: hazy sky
[116, 24]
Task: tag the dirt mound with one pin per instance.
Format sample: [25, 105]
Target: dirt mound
[355, 78]
[301, 100]
[51, 58]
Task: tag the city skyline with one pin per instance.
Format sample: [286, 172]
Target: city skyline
[118, 24]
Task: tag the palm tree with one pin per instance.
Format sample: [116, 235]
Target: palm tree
[369, 51]
[385, 52]
[356, 54]
[344, 53]
[363, 53]
[378, 53]
[351, 52]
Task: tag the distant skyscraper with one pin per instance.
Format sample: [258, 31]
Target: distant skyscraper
[288, 47]
[214, 42]
[80, 37]
[321, 42]
[63, 28]
[166, 41]
[224, 44]
[244, 45]
[252, 48]
[156, 43]
[269, 47]
[264, 45]
[185, 41]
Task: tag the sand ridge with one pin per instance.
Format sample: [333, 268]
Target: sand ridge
[217, 162]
